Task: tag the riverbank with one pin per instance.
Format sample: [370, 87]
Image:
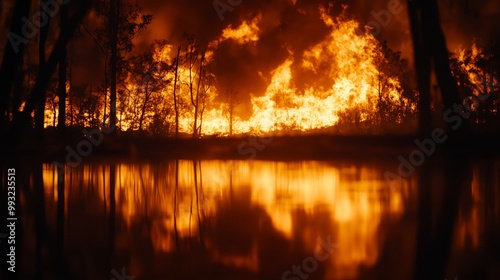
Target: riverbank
[321, 147]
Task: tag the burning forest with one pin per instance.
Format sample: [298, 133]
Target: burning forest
[322, 72]
[234, 139]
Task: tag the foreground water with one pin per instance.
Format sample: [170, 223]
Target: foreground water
[259, 220]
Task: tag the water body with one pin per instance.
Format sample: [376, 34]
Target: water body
[184, 219]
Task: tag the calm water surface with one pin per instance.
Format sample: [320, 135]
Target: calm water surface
[257, 220]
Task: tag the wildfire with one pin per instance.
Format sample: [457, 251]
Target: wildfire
[481, 81]
[348, 79]
[339, 75]
[246, 32]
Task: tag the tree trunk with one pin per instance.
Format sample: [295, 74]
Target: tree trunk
[44, 75]
[231, 119]
[40, 107]
[380, 104]
[195, 124]
[175, 91]
[429, 46]
[113, 30]
[191, 54]
[422, 66]
[143, 111]
[12, 60]
[441, 62]
[61, 91]
[106, 61]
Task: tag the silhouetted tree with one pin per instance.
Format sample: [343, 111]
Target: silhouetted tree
[431, 53]
[46, 73]
[230, 104]
[122, 21]
[40, 108]
[392, 69]
[430, 50]
[11, 63]
[149, 76]
[61, 91]
[176, 78]
[478, 83]
[204, 96]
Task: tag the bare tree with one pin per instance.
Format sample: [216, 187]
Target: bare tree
[230, 103]
[123, 20]
[207, 81]
[194, 58]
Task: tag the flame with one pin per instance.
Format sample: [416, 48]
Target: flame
[345, 60]
[343, 76]
[278, 188]
[303, 201]
[246, 32]
[481, 82]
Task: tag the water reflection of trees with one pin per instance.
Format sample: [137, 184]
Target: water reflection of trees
[138, 220]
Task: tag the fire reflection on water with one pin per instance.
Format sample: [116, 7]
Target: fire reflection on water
[205, 204]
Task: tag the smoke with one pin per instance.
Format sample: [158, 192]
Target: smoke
[464, 21]
[292, 26]
[284, 27]
[288, 27]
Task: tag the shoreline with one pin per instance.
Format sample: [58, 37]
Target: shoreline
[307, 147]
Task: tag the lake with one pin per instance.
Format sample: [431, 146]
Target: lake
[215, 219]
